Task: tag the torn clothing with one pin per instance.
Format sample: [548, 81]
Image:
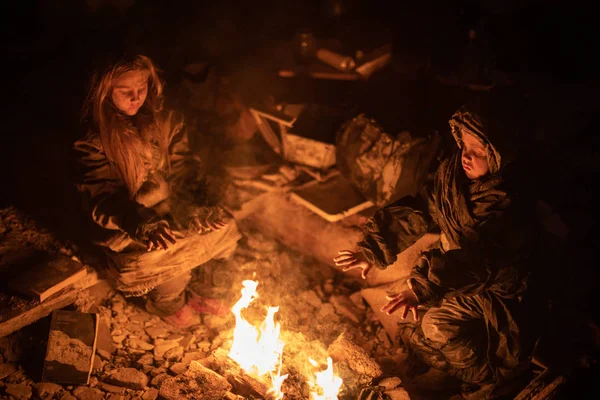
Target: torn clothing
[170, 194]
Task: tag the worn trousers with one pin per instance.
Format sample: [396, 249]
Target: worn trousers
[453, 338]
[169, 297]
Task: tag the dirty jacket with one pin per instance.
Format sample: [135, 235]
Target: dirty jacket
[487, 232]
[167, 195]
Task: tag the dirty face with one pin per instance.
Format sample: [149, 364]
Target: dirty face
[474, 157]
[129, 91]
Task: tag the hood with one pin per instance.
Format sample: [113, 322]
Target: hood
[498, 118]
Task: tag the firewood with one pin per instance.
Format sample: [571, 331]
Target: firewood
[243, 384]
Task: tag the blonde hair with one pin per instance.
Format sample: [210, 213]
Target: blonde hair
[124, 138]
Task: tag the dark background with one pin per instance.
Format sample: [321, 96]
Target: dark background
[546, 48]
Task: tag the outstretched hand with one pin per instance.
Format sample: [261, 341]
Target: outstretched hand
[213, 219]
[350, 260]
[406, 299]
[160, 238]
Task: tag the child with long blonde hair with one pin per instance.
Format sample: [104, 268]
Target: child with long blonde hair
[142, 187]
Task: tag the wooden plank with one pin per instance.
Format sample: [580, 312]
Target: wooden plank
[242, 383]
[551, 390]
[30, 311]
[300, 229]
[537, 387]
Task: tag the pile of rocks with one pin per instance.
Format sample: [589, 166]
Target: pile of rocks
[139, 356]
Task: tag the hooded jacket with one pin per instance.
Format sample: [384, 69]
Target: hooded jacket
[487, 227]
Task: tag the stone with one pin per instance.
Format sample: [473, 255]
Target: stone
[68, 396]
[86, 393]
[46, 390]
[119, 338]
[146, 368]
[192, 355]
[157, 332]
[174, 354]
[397, 394]
[390, 382]
[18, 391]
[139, 344]
[98, 363]
[178, 368]
[169, 389]
[204, 346]
[128, 377]
[161, 346]
[345, 350]
[215, 321]
[157, 380]
[7, 370]
[140, 318]
[187, 341]
[114, 396]
[118, 307]
[150, 394]
[107, 387]
[175, 336]
[158, 371]
[146, 359]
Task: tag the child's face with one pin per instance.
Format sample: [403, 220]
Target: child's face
[474, 157]
[129, 91]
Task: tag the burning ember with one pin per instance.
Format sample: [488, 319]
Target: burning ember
[259, 351]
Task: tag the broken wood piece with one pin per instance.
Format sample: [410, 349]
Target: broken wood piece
[213, 385]
[243, 384]
[543, 386]
[31, 311]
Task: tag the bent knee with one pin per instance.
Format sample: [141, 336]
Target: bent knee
[437, 329]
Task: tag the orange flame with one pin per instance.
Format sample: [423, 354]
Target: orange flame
[326, 384]
[257, 351]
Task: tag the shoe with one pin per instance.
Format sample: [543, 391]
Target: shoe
[184, 318]
[207, 305]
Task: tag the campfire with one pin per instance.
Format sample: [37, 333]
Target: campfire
[259, 351]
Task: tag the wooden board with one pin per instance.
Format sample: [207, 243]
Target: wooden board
[23, 311]
[333, 200]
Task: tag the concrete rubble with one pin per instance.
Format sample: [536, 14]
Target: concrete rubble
[141, 357]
